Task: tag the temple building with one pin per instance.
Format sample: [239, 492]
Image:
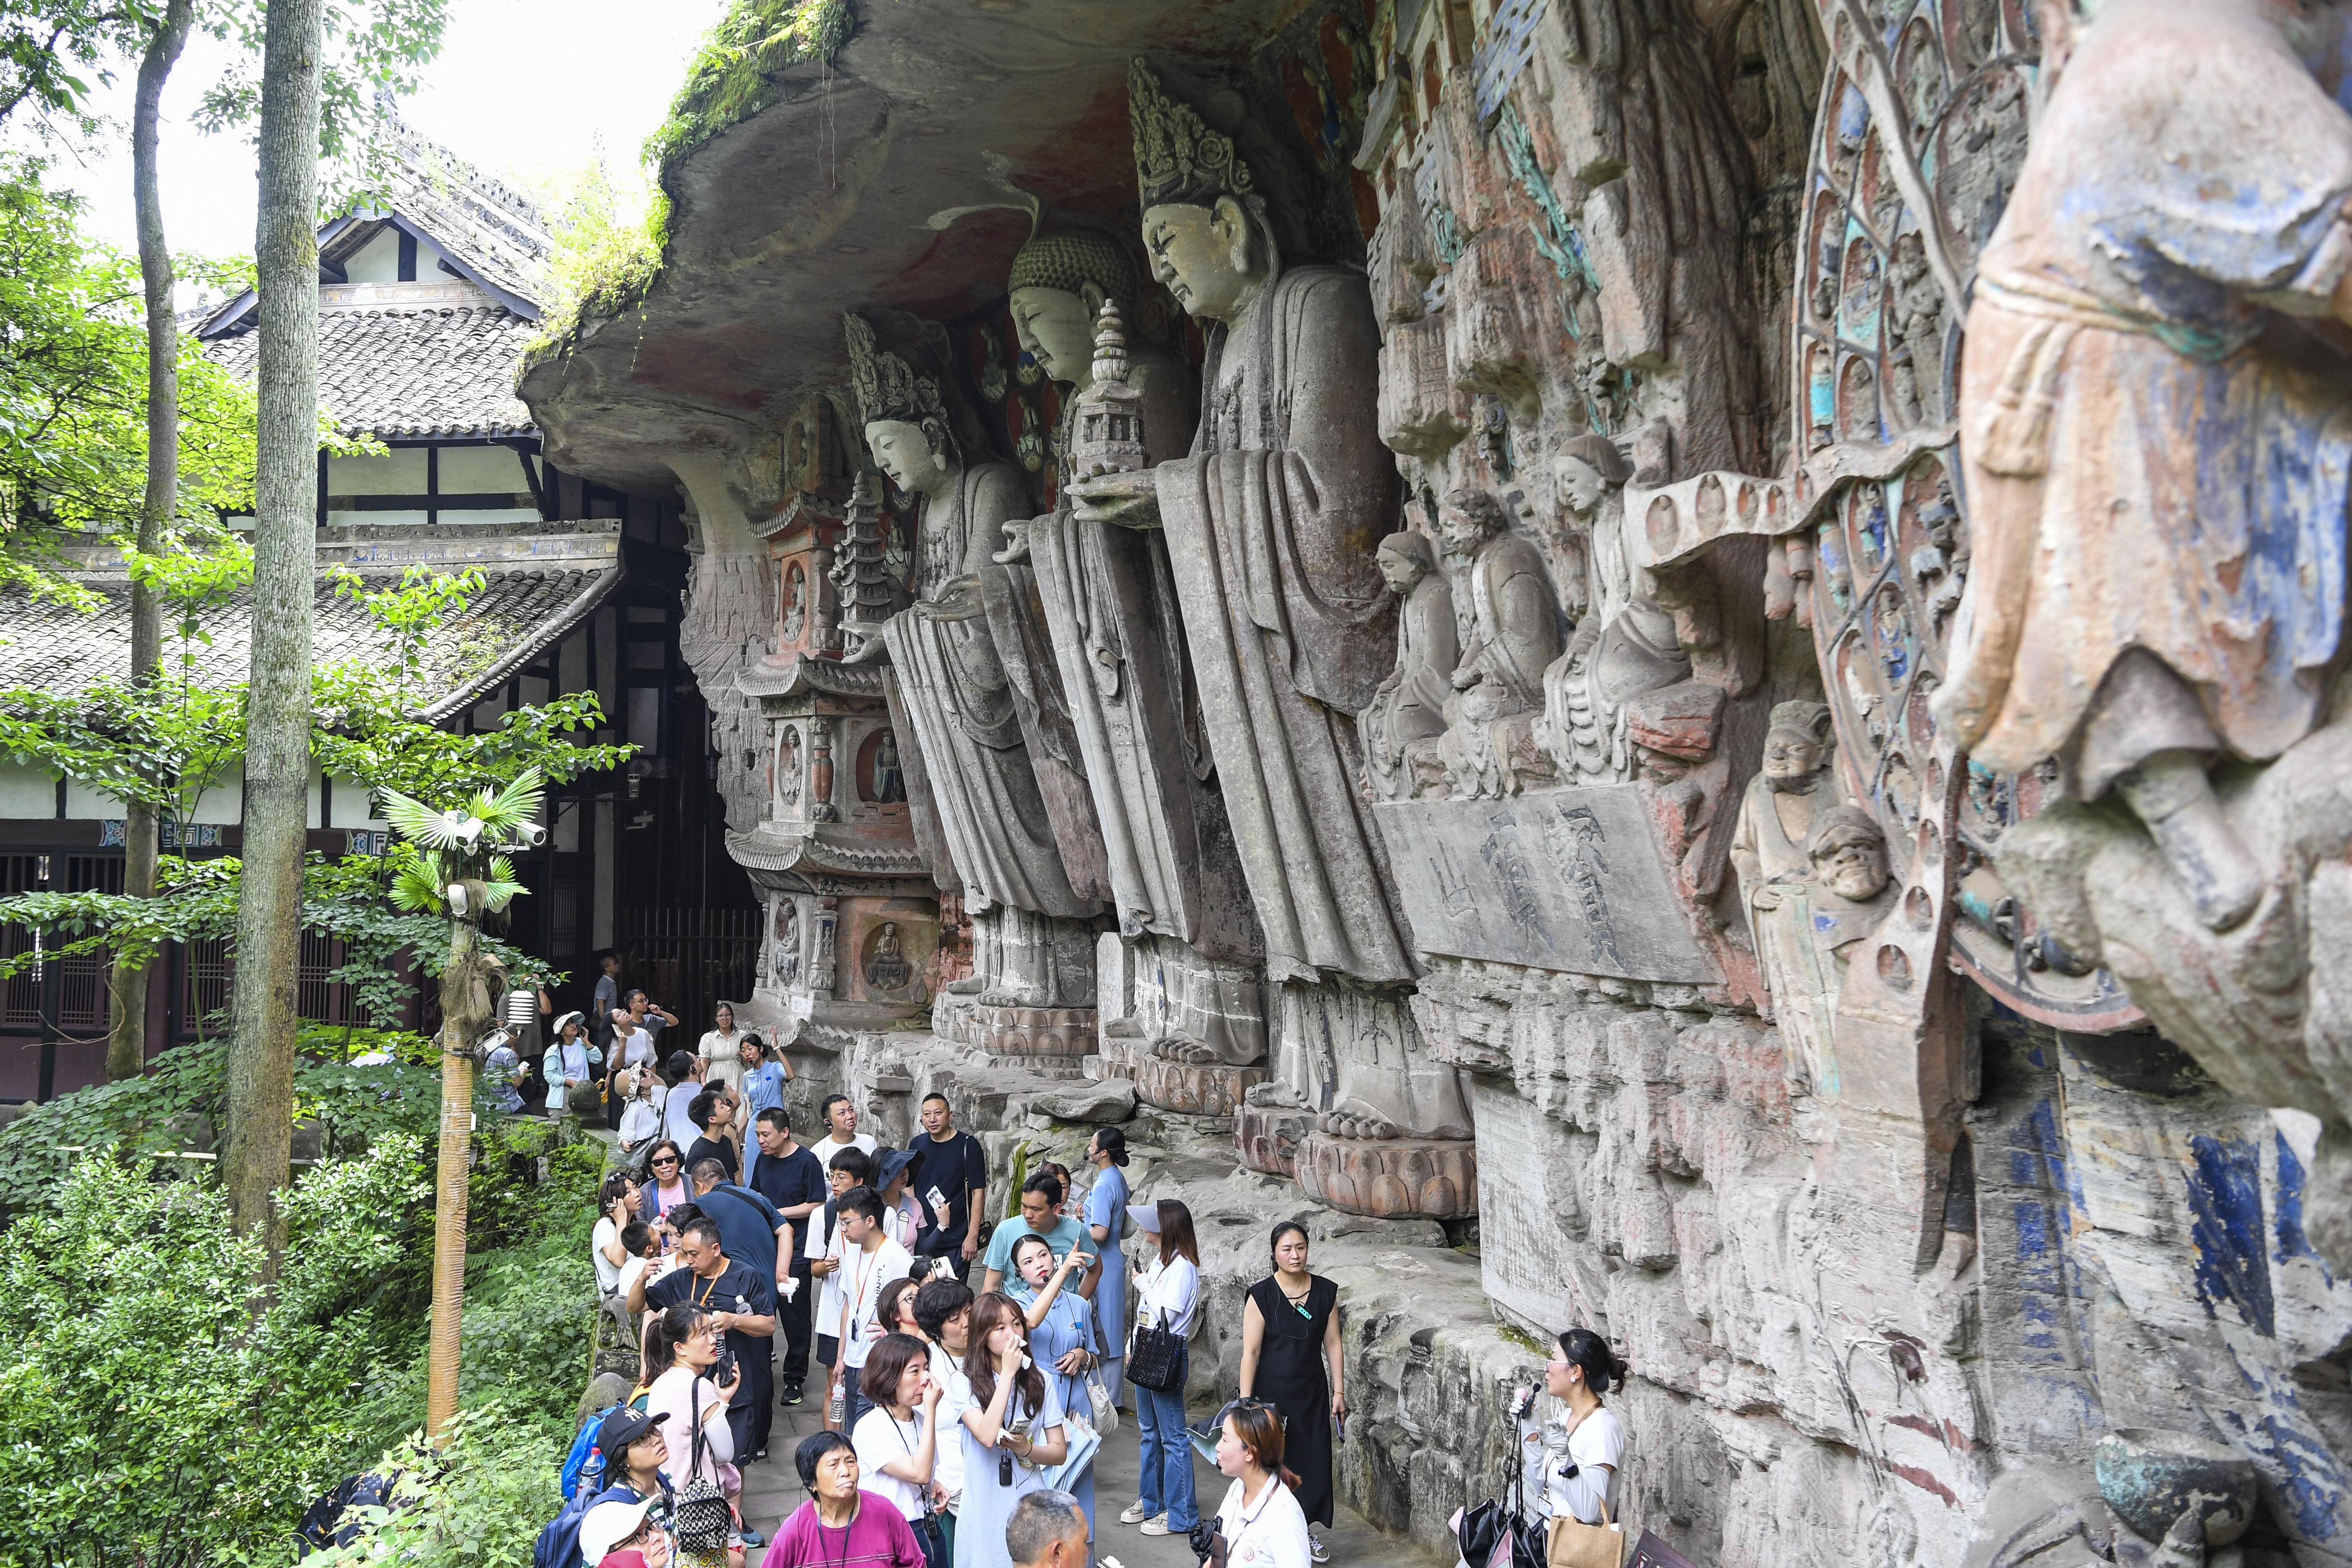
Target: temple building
[1673, 666]
[424, 308]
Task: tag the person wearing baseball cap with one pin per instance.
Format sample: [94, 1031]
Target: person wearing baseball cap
[618, 1535]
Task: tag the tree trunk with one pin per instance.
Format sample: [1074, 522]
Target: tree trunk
[126, 1040]
[278, 722]
[465, 1017]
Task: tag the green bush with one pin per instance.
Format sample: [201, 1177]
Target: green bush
[475, 1503]
[161, 1405]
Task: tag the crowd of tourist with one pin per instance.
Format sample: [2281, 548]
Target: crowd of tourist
[968, 1372]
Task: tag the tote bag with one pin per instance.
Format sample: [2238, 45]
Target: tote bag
[1572, 1543]
[703, 1516]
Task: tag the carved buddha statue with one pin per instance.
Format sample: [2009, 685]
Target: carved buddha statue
[1271, 524]
[1409, 705]
[950, 679]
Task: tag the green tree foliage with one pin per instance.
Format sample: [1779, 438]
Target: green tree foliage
[73, 387]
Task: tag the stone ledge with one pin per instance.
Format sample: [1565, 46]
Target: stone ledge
[1391, 1178]
[1016, 1033]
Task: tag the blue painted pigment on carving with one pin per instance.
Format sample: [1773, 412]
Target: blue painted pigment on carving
[2291, 1242]
[2225, 1194]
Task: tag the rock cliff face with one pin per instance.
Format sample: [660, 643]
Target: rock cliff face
[1673, 673]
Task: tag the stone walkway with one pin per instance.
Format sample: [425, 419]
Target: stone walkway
[772, 1490]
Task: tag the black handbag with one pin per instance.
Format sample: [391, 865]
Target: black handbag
[1482, 1530]
[704, 1518]
[1155, 1360]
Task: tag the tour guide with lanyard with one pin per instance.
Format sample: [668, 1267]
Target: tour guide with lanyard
[926, 1528]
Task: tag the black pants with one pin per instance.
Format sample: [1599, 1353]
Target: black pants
[753, 1414]
[793, 1327]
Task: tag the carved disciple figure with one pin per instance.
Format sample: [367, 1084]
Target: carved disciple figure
[1272, 525]
[1271, 528]
[1409, 705]
[1809, 890]
[788, 770]
[1514, 636]
[946, 667]
[2157, 453]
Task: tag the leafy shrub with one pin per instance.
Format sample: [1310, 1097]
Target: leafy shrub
[475, 1503]
[161, 1405]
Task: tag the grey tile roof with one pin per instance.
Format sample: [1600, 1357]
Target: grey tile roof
[411, 370]
[516, 615]
[481, 222]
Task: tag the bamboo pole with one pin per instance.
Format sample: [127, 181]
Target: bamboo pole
[461, 1023]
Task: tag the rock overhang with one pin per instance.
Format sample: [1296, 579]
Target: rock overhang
[901, 173]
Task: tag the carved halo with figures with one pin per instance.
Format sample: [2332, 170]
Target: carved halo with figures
[1921, 130]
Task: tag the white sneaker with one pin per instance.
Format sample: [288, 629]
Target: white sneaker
[1135, 1514]
[1156, 1525]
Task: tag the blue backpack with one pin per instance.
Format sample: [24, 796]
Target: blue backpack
[558, 1544]
[583, 1448]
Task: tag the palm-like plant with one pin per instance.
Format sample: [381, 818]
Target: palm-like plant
[460, 865]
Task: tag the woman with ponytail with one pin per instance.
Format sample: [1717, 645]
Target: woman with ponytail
[1574, 1458]
[1260, 1523]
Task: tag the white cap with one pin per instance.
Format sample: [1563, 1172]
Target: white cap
[1144, 1217]
[607, 1525]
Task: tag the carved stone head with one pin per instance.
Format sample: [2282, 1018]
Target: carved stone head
[1468, 518]
[1797, 746]
[1204, 223]
[1405, 559]
[1589, 467]
[1059, 283]
[906, 423]
[1848, 855]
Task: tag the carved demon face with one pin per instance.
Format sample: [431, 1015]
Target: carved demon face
[906, 454]
[1852, 865]
[1057, 328]
[1206, 257]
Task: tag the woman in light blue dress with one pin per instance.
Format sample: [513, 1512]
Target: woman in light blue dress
[1106, 1219]
[1011, 1421]
[1061, 1334]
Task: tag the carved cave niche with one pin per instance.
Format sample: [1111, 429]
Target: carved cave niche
[896, 943]
[881, 771]
[788, 780]
[793, 604]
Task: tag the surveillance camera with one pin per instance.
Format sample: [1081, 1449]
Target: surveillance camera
[529, 836]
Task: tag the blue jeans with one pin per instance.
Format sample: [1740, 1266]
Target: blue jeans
[1167, 1483]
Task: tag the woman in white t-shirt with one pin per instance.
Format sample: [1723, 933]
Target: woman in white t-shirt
[1260, 1520]
[898, 1440]
[1167, 1295]
[1574, 1458]
[620, 1203]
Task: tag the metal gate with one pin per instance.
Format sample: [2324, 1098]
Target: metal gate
[689, 960]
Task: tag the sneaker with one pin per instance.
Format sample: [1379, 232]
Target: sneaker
[1315, 1547]
[792, 1394]
[1135, 1514]
[753, 1538]
[759, 1456]
[1156, 1525]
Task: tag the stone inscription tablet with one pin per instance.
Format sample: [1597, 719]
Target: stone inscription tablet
[1566, 880]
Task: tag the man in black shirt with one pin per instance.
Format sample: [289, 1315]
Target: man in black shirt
[790, 1178]
[950, 1180]
[741, 1302]
[709, 1112]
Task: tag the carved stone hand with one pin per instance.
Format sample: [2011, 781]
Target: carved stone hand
[1130, 500]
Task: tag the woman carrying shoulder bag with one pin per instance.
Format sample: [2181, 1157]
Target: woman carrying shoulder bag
[1574, 1458]
[1167, 1298]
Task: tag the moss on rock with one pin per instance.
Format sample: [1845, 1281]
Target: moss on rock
[733, 75]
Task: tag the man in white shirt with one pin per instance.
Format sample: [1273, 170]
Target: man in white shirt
[686, 1071]
[839, 1119]
[870, 1261]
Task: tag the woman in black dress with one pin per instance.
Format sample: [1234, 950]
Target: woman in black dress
[1291, 1359]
